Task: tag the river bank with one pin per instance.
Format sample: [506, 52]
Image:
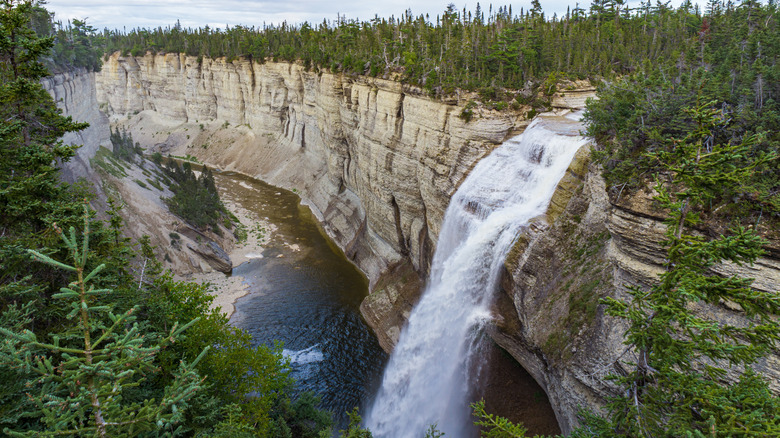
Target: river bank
[258, 232]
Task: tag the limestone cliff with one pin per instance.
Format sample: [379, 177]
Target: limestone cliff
[75, 94]
[550, 319]
[376, 160]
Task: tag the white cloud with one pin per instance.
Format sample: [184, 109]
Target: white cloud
[116, 14]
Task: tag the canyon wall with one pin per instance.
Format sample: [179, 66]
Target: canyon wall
[586, 248]
[144, 212]
[378, 161]
[75, 94]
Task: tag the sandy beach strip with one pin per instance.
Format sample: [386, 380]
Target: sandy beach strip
[228, 289]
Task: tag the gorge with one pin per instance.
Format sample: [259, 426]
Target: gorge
[378, 162]
[302, 292]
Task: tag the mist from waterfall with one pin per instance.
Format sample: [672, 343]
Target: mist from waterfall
[436, 361]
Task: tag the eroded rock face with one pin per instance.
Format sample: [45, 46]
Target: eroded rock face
[550, 318]
[214, 255]
[75, 94]
[376, 161]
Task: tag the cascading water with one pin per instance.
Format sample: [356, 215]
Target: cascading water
[433, 366]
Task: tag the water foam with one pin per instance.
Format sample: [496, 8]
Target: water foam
[435, 362]
[304, 357]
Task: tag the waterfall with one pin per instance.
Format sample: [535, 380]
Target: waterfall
[436, 360]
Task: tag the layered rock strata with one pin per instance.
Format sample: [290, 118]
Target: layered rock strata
[548, 313]
[75, 94]
[376, 160]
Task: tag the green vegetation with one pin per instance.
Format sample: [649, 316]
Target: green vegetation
[186, 157]
[105, 344]
[706, 128]
[688, 104]
[733, 61]
[468, 111]
[495, 426]
[106, 161]
[488, 51]
[155, 184]
[75, 44]
[582, 282]
[195, 199]
[75, 47]
[95, 356]
[702, 128]
[123, 145]
[675, 386]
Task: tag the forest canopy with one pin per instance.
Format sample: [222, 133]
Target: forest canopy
[650, 62]
[458, 49]
[96, 339]
[733, 63]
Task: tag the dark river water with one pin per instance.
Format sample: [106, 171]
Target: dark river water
[306, 294]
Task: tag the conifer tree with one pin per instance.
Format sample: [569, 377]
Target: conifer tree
[85, 361]
[675, 385]
[84, 372]
[30, 193]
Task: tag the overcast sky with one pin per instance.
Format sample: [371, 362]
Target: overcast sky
[116, 14]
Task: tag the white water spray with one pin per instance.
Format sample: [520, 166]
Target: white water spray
[429, 375]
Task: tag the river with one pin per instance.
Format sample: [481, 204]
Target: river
[304, 293]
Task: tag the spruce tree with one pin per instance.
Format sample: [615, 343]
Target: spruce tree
[85, 360]
[31, 196]
[683, 336]
[86, 372]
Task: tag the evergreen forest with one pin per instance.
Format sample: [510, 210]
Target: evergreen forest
[688, 110]
[98, 340]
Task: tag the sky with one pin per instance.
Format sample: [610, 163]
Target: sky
[129, 14]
